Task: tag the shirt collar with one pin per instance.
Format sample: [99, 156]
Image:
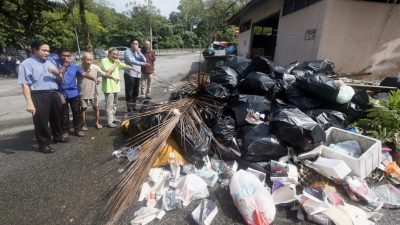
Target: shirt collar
[38, 59]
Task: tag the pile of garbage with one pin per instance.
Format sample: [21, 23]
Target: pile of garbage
[266, 122]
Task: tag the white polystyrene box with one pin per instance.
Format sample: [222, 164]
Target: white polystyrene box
[361, 166]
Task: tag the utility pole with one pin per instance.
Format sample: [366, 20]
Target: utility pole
[149, 3]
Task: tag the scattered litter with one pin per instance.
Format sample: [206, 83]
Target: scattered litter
[205, 212]
[191, 187]
[284, 172]
[170, 201]
[389, 195]
[129, 152]
[331, 168]
[145, 215]
[284, 193]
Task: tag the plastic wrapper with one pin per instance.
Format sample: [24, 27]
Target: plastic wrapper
[257, 83]
[260, 145]
[389, 195]
[319, 86]
[252, 199]
[328, 118]
[295, 128]
[215, 91]
[238, 63]
[351, 147]
[170, 201]
[191, 187]
[225, 76]
[258, 64]
[243, 104]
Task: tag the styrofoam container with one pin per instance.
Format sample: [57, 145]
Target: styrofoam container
[361, 166]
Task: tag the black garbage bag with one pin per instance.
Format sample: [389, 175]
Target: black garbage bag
[215, 91]
[225, 76]
[361, 98]
[209, 116]
[260, 145]
[319, 86]
[351, 110]
[258, 64]
[176, 95]
[192, 147]
[391, 82]
[321, 66]
[328, 118]
[295, 128]
[240, 107]
[224, 130]
[294, 65]
[257, 83]
[140, 124]
[238, 63]
[300, 99]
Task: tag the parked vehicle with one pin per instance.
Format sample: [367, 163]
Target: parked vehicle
[99, 53]
[121, 51]
[9, 65]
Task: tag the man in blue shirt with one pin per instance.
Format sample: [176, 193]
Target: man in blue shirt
[69, 90]
[133, 57]
[39, 80]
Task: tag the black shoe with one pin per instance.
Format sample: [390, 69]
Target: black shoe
[46, 149]
[61, 140]
[148, 97]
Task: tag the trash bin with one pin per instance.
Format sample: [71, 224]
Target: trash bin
[211, 61]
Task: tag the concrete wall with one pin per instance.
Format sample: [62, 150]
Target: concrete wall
[291, 44]
[244, 43]
[268, 8]
[362, 37]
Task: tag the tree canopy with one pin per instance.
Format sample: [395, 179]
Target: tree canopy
[196, 23]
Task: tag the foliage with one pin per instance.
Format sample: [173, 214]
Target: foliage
[383, 120]
[197, 23]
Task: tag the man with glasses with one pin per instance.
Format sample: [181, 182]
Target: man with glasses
[70, 92]
[136, 59]
[110, 85]
[39, 80]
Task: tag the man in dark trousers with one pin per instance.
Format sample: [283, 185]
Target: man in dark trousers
[70, 92]
[39, 80]
[133, 57]
[147, 71]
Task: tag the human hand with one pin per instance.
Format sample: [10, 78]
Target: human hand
[98, 82]
[116, 79]
[31, 108]
[117, 61]
[52, 69]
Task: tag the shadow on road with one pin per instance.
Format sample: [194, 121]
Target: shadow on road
[22, 141]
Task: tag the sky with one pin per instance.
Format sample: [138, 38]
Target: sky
[165, 6]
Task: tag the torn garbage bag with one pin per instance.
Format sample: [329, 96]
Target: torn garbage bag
[243, 104]
[252, 199]
[238, 63]
[328, 118]
[351, 110]
[194, 144]
[258, 64]
[260, 145]
[215, 91]
[295, 128]
[257, 83]
[225, 76]
[319, 86]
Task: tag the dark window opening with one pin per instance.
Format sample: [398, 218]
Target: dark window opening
[290, 6]
[245, 27]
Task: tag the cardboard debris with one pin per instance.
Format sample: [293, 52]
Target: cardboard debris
[205, 212]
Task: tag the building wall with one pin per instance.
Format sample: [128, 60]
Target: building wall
[291, 44]
[268, 8]
[362, 37]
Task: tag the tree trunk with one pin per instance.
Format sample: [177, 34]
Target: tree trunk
[87, 45]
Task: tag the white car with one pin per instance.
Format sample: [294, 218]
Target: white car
[121, 51]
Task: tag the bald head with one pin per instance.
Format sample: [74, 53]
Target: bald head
[87, 58]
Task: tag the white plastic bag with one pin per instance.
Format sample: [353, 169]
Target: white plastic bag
[345, 94]
[252, 199]
[191, 187]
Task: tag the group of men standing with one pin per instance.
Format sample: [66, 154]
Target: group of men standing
[52, 87]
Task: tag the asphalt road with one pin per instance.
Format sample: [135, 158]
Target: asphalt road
[72, 185]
